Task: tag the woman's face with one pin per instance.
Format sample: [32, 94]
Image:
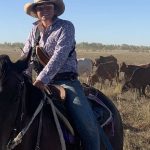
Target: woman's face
[45, 11]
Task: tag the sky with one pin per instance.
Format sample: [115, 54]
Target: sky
[98, 21]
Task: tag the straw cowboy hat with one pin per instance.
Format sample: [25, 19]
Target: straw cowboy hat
[29, 7]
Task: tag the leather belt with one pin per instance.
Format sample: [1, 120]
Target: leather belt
[65, 76]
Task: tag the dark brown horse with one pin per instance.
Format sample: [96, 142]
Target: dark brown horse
[18, 102]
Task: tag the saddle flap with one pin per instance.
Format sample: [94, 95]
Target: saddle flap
[101, 111]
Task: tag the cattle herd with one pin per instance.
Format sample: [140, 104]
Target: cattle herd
[108, 68]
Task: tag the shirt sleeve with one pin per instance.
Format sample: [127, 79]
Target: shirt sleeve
[64, 46]
[27, 46]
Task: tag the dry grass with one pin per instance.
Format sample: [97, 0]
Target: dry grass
[135, 111]
[13, 53]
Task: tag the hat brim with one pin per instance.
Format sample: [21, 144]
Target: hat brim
[29, 8]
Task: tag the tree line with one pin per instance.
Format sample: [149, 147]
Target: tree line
[88, 46]
[100, 46]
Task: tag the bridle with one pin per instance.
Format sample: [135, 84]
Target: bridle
[21, 110]
[18, 132]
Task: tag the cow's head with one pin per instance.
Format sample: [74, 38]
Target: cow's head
[93, 79]
[96, 62]
[126, 87]
[123, 67]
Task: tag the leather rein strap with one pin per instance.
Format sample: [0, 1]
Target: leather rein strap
[18, 139]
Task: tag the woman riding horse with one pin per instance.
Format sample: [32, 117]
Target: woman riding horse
[56, 38]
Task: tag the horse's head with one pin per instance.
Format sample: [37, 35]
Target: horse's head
[11, 82]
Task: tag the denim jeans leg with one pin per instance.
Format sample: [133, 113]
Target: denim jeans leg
[83, 118]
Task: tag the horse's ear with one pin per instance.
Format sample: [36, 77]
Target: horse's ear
[23, 62]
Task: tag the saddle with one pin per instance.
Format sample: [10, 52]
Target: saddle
[102, 113]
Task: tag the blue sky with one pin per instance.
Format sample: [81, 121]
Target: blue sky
[102, 21]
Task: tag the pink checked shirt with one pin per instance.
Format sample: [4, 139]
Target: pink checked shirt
[57, 41]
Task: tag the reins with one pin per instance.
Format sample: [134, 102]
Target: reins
[15, 140]
[21, 109]
[18, 139]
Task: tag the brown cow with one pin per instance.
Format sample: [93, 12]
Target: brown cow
[139, 80]
[129, 69]
[105, 59]
[105, 71]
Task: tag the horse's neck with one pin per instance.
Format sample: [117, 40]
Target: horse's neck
[33, 97]
[51, 138]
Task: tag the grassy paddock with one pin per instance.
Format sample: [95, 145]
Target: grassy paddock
[135, 111]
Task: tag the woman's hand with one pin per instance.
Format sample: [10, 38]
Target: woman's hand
[39, 84]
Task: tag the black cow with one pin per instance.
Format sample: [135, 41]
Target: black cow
[139, 80]
[105, 59]
[129, 69]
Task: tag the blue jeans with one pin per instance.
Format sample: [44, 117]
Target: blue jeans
[83, 118]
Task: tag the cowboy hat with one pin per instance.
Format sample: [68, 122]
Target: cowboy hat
[29, 7]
